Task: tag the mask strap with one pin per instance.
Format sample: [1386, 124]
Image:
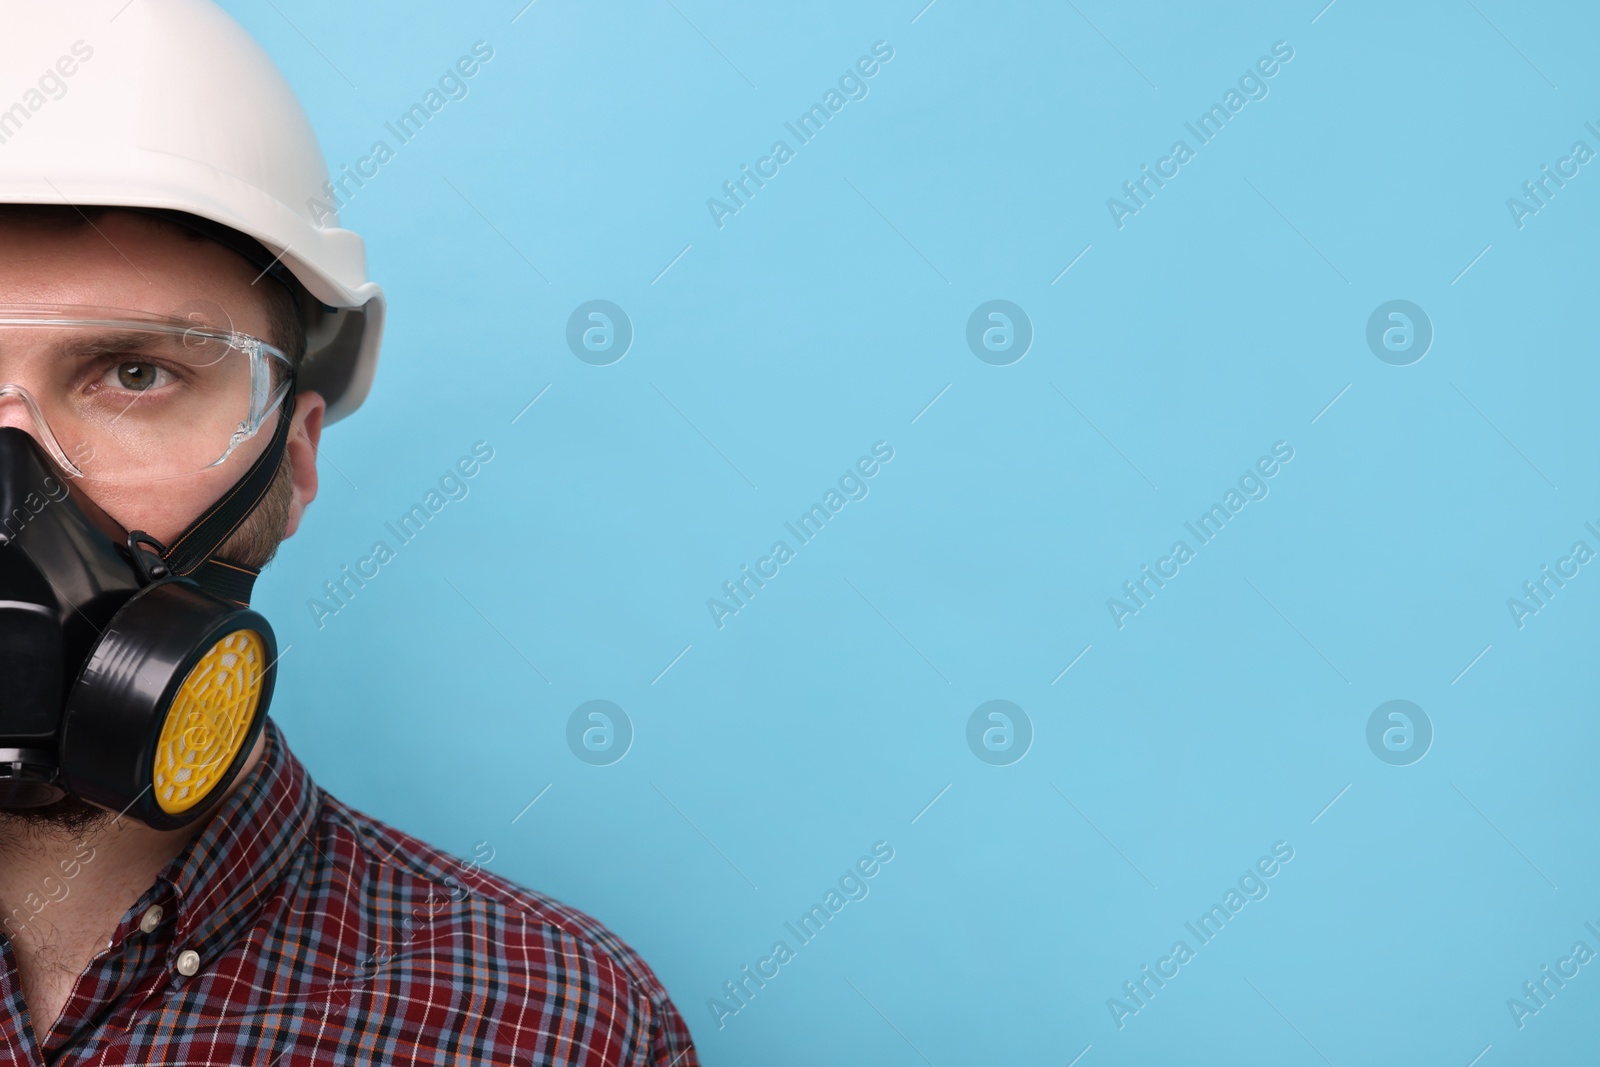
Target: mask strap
[191, 555]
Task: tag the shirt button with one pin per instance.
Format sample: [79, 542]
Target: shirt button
[152, 918]
[188, 963]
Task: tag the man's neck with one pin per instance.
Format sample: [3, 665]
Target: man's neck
[64, 890]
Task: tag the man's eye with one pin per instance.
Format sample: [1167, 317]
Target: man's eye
[138, 376]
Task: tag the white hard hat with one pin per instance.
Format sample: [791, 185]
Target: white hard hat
[170, 104]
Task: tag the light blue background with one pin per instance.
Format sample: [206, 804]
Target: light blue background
[823, 317]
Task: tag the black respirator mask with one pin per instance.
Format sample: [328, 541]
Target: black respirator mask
[135, 675]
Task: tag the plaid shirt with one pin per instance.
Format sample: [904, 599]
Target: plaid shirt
[325, 937]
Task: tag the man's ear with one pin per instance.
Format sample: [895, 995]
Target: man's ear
[305, 431]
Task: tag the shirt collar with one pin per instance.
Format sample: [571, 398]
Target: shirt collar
[226, 873]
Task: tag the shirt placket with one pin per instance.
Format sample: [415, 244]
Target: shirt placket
[138, 945]
[14, 1030]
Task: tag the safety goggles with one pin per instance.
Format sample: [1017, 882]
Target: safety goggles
[128, 396]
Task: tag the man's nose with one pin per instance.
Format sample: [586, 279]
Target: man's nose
[14, 408]
[19, 409]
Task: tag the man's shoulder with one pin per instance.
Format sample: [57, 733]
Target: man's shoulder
[407, 878]
[410, 911]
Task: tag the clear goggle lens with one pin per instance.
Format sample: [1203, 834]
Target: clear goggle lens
[127, 396]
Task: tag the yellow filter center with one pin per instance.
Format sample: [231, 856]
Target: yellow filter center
[209, 719]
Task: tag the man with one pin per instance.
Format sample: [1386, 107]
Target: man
[179, 317]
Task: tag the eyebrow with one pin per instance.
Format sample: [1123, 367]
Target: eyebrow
[100, 344]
